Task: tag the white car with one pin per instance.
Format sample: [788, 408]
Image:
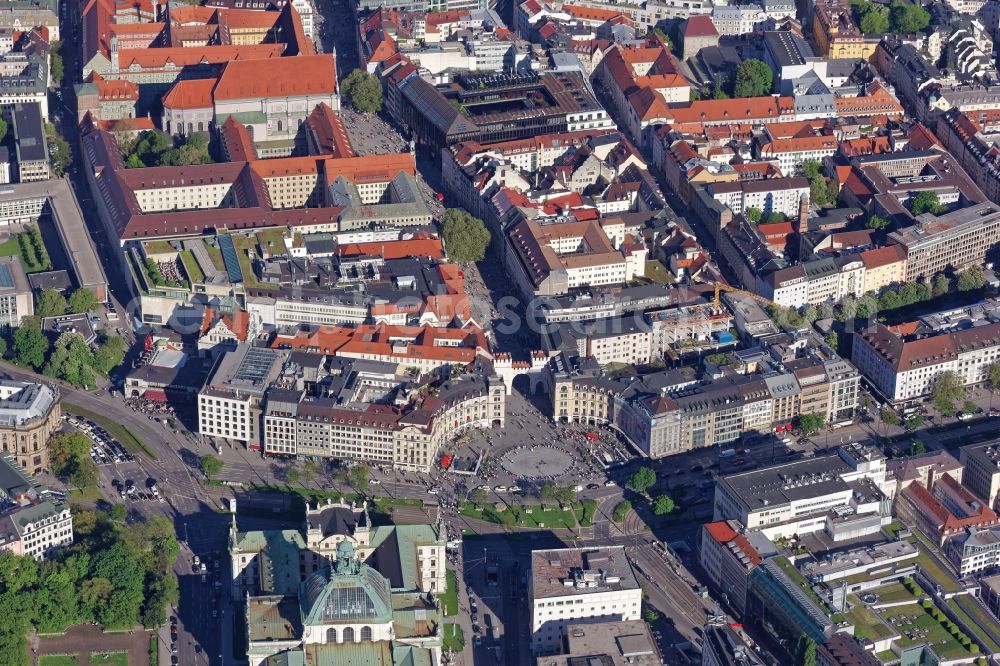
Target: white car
[514, 489]
[500, 489]
[432, 491]
[609, 483]
[374, 482]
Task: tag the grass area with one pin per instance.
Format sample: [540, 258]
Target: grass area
[886, 655]
[154, 651]
[933, 569]
[272, 238]
[89, 494]
[867, 624]
[128, 438]
[28, 245]
[620, 511]
[116, 658]
[895, 592]
[528, 515]
[244, 244]
[585, 511]
[449, 600]
[657, 272]
[215, 255]
[191, 267]
[799, 580]
[923, 627]
[974, 624]
[452, 638]
[159, 247]
[894, 528]
[58, 660]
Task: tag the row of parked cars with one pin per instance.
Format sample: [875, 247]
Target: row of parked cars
[104, 449]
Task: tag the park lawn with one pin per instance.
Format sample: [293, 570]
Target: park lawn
[127, 438]
[944, 644]
[542, 516]
[449, 600]
[975, 626]
[58, 660]
[657, 272]
[116, 658]
[867, 624]
[191, 267]
[89, 494]
[452, 638]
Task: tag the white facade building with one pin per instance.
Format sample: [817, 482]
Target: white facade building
[572, 584]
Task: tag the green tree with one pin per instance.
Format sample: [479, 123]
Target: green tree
[61, 154]
[874, 18]
[65, 449]
[650, 616]
[82, 300]
[888, 416]
[642, 480]
[969, 407]
[358, 476]
[877, 222]
[72, 361]
[941, 284]
[118, 513]
[819, 192]
[775, 216]
[663, 505]
[889, 300]
[465, 237]
[993, 375]
[210, 466]
[133, 162]
[151, 147]
[109, 355]
[925, 202]
[946, 391]
[832, 340]
[30, 347]
[971, 279]
[479, 496]
[547, 492]
[805, 651]
[847, 309]
[914, 422]
[906, 18]
[811, 423]
[867, 306]
[366, 95]
[753, 79]
[753, 215]
[565, 494]
[3, 129]
[3, 347]
[56, 62]
[50, 303]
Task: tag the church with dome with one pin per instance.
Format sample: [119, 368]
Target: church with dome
[353, 607]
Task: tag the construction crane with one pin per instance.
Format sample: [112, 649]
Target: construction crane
[720, 287]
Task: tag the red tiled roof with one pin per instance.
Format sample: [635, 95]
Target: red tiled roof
[700, 26]
[189, 56]
[277, 77]
[190, 94]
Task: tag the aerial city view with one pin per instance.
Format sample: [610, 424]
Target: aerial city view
[499, 333]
